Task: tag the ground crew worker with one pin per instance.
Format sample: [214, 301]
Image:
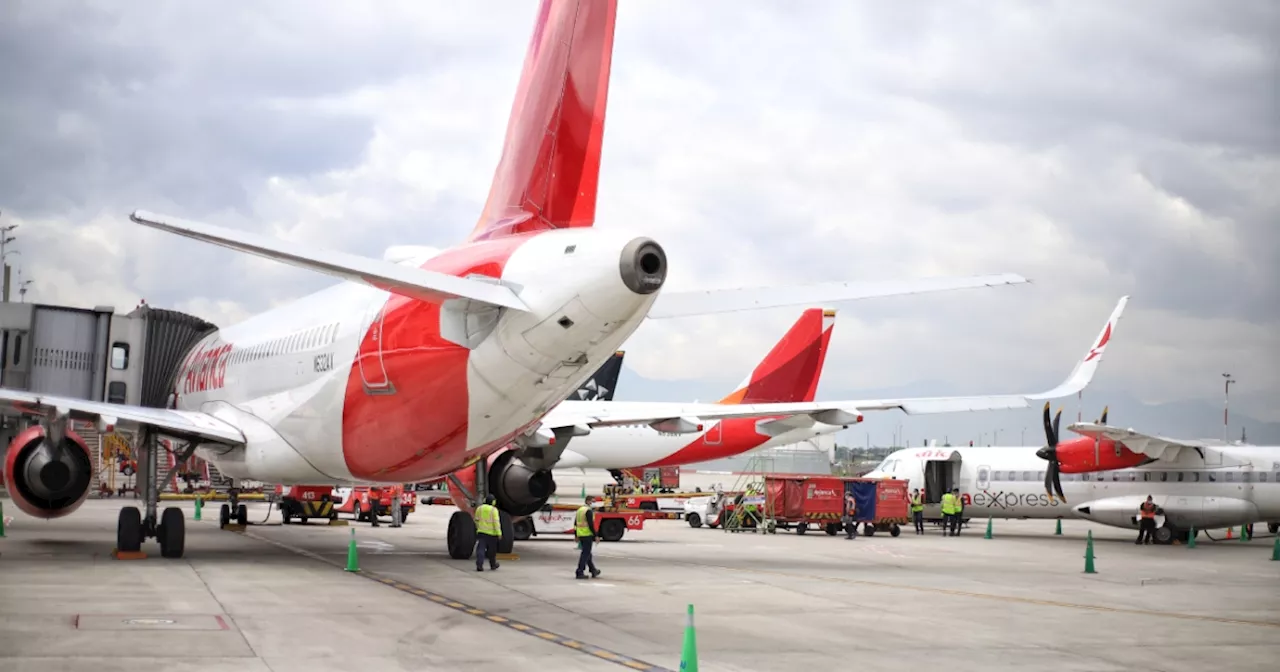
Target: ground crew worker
[655, 483]
[1147, 524]
[917, 510]
[957, 512]
[488, 532]
[947, 510]
[850, 517]
[584, 529]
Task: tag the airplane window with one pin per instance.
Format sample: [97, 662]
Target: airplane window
[1164, 476]
[1180, 475]
[983, 474]
[1195, 476]
[1133, 476]
[1085, 477]
[1026, 475]
[1040, 476]
[1231, 477]
[1262, 477]
[1146, 476]
[1213, 478]
[997, 475]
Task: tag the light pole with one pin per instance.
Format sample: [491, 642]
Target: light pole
[1226, 397]
[1023, 440]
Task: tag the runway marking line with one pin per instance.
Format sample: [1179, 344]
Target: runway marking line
[985, 596]
[422, 593]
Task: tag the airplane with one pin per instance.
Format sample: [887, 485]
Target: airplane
[426, 362]
[1109, 473]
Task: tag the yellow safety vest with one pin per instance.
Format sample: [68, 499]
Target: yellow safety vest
[948, 507]
[917, 504]
[487, 521]
[580, 526]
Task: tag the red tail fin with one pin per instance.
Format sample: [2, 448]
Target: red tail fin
[790, 372]
[546, 178]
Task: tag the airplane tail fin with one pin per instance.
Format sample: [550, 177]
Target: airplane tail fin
[1082, 374]
[547, 176]
[790, 372]
[603, 382]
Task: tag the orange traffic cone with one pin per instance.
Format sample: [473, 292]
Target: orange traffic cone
[1228, 533]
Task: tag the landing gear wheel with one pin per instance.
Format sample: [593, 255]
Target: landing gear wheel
[1164, 535]
[1273, 528]
[506, 543]
[461, 537]
[242, 515]
[224, 515]
[172, 534]
[802, 528]
[522, 529]
[895, 530]
[694, 520]
[612, 529]
[129, 530]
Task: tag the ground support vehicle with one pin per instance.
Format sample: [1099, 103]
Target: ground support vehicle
[883, 504]
[304, 502]
[366, 503]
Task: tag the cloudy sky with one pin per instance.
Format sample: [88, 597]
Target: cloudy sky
[1099, 149]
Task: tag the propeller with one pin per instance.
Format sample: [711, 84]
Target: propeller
[1050, 454]
[1097, 440]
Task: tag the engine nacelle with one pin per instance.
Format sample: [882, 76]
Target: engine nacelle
[1077, 456]
[519, 490]
[44, 482]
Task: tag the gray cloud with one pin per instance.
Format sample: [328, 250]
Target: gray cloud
[1098, 149]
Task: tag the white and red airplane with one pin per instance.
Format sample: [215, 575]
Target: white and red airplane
[1109, 472]
[426, 362]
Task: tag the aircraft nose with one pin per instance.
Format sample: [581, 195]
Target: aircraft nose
[643, 266]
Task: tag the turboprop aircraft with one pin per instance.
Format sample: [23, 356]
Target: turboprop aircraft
[424, 363]
[1102, 476]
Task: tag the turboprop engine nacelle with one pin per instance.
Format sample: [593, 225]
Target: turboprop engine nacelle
[47, 481]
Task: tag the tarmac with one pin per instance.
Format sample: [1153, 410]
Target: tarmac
[276, 598]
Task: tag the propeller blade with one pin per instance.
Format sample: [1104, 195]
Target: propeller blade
[1057, 482]
[1050, 436]
[1048, 478]
[1056, 420]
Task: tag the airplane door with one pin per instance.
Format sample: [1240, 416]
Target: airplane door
[713, 435]
[373, 370]
[984, 477]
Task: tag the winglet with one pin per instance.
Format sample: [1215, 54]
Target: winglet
[1082, 374]
[415, 283]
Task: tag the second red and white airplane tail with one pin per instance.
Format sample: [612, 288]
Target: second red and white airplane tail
[791, 370]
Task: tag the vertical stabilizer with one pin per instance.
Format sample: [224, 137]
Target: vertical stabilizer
[790, 372]
[603, 382]
[546, 178]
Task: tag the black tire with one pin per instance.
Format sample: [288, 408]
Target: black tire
[129, 530]
[461, 537]
[242, 515]
[612, 529]
[1273, 528]
[802, 528]
[1164, 535]
[833, 529]
[522, 529]
[286, 516]
[868, 529]
[303, 520]
[694, 520]
[507, 542]
[224, 515]
[895, 530]
[172, 533]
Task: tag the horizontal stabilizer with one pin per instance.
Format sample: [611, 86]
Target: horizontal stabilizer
[414, 283]
[682, 304]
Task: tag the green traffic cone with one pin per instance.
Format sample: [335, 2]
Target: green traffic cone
[1088, 555]
[1191, 538]
[584, 491]
[353, 564]
[199, 505]
[689, 655]
[1058, 531]
[988, 534]
[1275, 550]
[1243, 535]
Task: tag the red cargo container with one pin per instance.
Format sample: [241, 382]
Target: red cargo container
[803, 501]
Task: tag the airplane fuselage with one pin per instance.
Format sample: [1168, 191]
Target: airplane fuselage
[355, 384]
[1241, 487]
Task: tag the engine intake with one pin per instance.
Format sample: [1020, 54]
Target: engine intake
[45, 481]
[520, 491]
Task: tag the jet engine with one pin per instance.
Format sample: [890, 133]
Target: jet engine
[520, 490]
[47, 481]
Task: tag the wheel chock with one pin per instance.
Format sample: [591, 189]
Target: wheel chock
[338, 522]
[508, 556]
[127, 555]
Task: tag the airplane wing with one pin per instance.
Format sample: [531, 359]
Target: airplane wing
[669, 416]
[1156, 447]
[415, 283]
[192, 424]
[681, 304]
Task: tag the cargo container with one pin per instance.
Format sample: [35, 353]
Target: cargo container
[803, 501]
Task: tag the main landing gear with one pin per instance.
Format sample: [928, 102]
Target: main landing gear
[461, 536]
[135, 526]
